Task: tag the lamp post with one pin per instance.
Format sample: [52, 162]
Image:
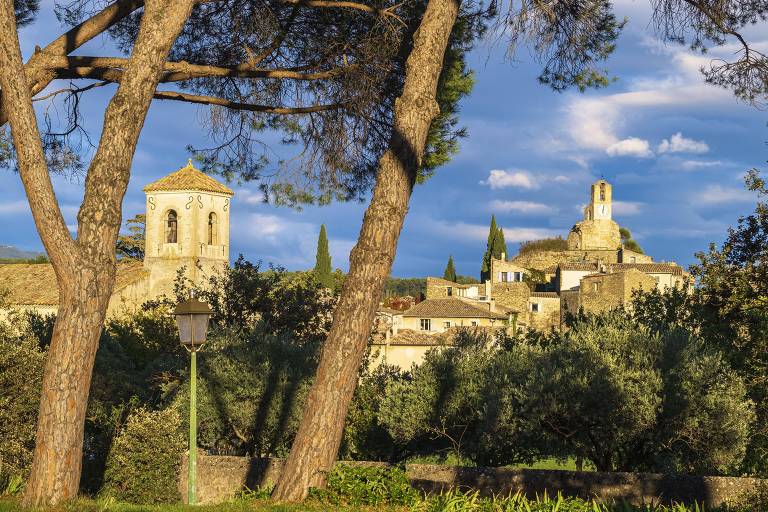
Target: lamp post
[192, 319]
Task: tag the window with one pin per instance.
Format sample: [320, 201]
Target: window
[446, 325]
[633, 259]
[602, 191]
[503, 277]
[426, 324]
[596, 286]
[474, 323]
[213, 231]
[450, 291]
[171, 227]
[534, 307]
[519, 277]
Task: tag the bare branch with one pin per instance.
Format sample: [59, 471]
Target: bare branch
[212, 100]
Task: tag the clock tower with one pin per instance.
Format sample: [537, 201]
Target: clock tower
[599, 207]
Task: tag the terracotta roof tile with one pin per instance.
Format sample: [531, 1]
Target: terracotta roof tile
[188, 178]
[450, 308]
[578, 266]
[35, 284]
[546, 295]
[651, 268]
[424, 338]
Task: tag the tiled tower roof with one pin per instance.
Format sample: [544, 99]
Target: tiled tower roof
[188, 178]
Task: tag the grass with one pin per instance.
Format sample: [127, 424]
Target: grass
[90, 505]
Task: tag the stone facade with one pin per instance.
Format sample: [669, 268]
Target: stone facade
[220, 478]
[187, 225]
[603, 292]
[544, 311]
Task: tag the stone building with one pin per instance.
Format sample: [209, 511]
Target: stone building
[187, 226]
[402, 338]
[594, 273]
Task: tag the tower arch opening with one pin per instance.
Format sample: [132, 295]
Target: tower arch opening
[171, 227]
[213, 229]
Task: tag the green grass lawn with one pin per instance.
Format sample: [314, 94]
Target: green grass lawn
[89, 505]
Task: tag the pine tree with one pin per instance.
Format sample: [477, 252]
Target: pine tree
[450, 270]
[323, 260]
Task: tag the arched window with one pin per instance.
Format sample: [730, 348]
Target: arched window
[602, 191]
[171, 227]
[213, 234]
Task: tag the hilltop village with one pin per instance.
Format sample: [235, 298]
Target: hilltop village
[534, 290]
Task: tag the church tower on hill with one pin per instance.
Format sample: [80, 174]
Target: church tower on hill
[187, 225]
[597, 231]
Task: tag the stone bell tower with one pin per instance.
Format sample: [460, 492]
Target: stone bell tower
[597, 231]
[187, 225]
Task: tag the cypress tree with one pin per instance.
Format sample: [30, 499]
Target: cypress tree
[499, 245]
[323, 260]
[485, 269]
[450, 270]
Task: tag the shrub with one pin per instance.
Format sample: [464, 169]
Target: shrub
[21, 373]
[143, 463]
[546, 244]
[366, 486]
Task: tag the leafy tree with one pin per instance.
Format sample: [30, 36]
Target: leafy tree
[485, 270]
[628, 242]
[500, 246]
[449, 274]
[323, 261]
[546, 244]
[131, 245]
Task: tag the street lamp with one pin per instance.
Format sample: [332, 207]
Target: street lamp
[192, 319]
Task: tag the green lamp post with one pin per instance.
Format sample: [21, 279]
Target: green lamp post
[192, 319]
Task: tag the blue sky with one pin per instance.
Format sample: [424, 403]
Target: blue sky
[675, 149]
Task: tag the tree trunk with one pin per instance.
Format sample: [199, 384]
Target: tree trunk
[317, 442]
[85, 268]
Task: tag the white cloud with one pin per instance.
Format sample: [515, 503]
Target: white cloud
[717, 194]
[679, 144]
[463, 230]
[632, 146]
[695, 165]
[627, 207]
[247, 196]
[514, 178]
[521, 207]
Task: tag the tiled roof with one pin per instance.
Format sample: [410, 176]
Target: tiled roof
[424, 338]
[546, 295]
[651, 268]
[449, 308]
[188, 178]
[584, 267]
[35, 284]
[445, 282]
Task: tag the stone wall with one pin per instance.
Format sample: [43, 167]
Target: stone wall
[604, 292]
[594, 234]
[548, 316]
[220, 478]
[543, 260]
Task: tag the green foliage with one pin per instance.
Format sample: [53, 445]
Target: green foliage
[21, 373]
[449, 274]
[611, 391]
[400, 287]
[628, 242]
[144, 461]
[323, 261]
[131, 245]
[366, 486]
[546, 244]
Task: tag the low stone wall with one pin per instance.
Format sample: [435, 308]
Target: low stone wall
[219, 478]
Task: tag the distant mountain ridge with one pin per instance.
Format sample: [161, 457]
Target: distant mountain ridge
[14, 253]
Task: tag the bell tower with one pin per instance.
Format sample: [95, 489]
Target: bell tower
[187, 225]
[601, 201]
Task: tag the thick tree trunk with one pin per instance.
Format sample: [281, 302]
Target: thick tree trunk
[317, 442]
[85, 268]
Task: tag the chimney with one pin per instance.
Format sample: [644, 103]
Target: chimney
[503, 256]
[488, 290]
[395, 322]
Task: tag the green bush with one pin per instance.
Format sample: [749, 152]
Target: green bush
[366, 486]
[546, 244]
[143, 463]
[21, 373]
